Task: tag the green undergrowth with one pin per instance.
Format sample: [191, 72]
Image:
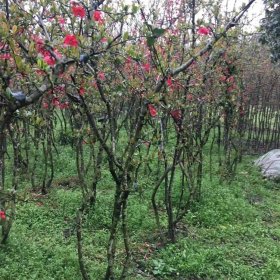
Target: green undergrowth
[232, 233]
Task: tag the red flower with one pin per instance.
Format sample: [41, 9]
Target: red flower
[231, 88]
[128, 60]
[176, 115]
[70, 40]
[45, 105]
[152, 110]
[3, 215]
[223, 78]
[202, 30]
[78, 11]
[5, 56]
[62, 21]
[101, 76]
[230, 79]
[39, 43]
[169, 82]
[49, 60]
[82, 91]
[97, 16]
[189, 97]
[94, 84]
[57, 53]
[147, 67]
[64, 105]
[55, 102]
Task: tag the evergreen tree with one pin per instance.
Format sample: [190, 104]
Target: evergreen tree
[271, 28]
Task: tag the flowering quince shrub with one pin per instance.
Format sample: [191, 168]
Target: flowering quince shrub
[119, 77]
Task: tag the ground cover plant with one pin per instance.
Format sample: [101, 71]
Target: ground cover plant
[121, 130]
[233, 233]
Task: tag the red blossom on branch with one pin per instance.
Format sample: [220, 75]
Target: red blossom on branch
[223, 78]
[176, 115]
[64, 105]
[202, 30]
[45, 105]
[5, 56]
[58, 54]
[128, 60]
[169, 81]
[3, 215]
[49, 60]
[78, 11]
[189, 97]
[152, 110]
[55, 102]
[71, 40]
[147, 67]
[62, 21]
[231, 88]
[101, 76]
[97, 16]
[82, 91]
[230, 79]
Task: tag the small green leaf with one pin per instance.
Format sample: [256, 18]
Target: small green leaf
[19, 63]
[157, 32]
[126, 36]
[134, 9]
[150, 41]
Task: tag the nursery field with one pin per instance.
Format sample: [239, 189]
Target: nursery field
[232, 233]
[128, 135]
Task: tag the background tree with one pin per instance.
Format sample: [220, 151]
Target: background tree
[271, 27]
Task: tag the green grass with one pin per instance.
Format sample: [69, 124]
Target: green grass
[233, 233]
